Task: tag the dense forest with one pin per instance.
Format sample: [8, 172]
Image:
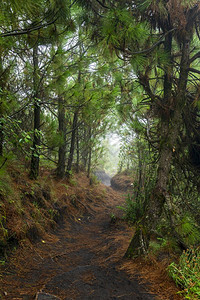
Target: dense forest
[73, 72]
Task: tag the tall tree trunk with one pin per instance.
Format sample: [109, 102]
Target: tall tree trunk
[90, 153]
[73, 139]
[169, 129]
[62, 131]
[85, 149]
[1, 139]
[77, 151]
[35, 159]
[1, 110]
[139, 172]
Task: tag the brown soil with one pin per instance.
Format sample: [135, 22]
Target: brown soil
[82, 259]
[122, 182]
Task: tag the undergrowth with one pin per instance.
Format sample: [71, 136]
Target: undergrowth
[132, 210]
[186, 273]
[26, 207]
[165, 240]
[188, 228]
[30, 208]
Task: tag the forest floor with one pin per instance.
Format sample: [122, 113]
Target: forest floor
[83, 258]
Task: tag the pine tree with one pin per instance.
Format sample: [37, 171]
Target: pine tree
[154, 39]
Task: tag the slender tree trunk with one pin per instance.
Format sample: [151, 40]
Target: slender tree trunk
[120, 167]
[1, 139]
[73, 139]
[77, 131]
[35, 159]
[1, 110]
[77, 151]
[62, 131]
[85, 150]
[170, 128]
[89, 154]
[89, 163]
[139, 169]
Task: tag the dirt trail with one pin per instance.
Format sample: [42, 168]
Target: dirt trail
[78, 261]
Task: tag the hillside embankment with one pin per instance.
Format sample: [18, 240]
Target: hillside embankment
[122, 182]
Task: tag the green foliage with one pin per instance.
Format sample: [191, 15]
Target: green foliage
[93, 179]
[2, 262]
[3, 230]
[65, 186]
[25, 6]
[113, 218]
[119, 24]
[5, 183]
[132, 86]
[187, 273]
[189, 230]
[154, 247]
[6, 193]
[164, 244]
[139, 62]
[185, 226]
[133, 210]
[71, 179]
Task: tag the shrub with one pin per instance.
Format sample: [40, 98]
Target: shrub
[187, 273]
[133, 210]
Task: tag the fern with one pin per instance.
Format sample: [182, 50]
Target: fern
[189, 230]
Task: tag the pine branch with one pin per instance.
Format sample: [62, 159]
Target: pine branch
[145, 51]
[20, 110]
[103, 5]
[17, 32]
[72, 3]
[197, 55]
[5, 160]
[194, 70]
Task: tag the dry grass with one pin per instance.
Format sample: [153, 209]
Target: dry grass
[153, 273]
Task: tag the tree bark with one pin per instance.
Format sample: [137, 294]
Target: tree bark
[1, 139]
[85, 148]
[62, 131]
[169, 133]
[73, 139]
[139, 171]
[90, 153]
[1, 110]
[77, 151]
[35, 159]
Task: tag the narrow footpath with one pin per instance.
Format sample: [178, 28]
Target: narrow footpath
[80, 260]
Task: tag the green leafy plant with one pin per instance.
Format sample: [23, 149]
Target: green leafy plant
[72, 181]
[65, 186]
[94, 180]
[112, 218]
[2, 262]
[133, 210]
[186, 273]
[189, 230]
